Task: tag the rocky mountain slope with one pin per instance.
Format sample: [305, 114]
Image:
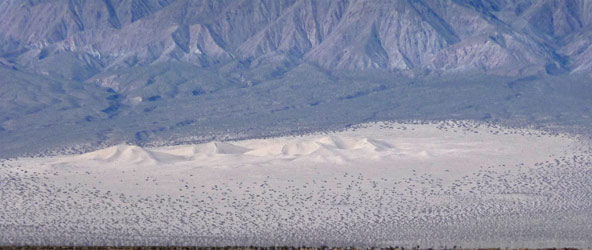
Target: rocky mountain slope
[141, 67]
[492, 36]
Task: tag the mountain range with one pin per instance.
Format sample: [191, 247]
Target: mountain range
[100, 72]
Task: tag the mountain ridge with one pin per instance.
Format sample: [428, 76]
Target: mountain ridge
[144, 71]
[356, 35]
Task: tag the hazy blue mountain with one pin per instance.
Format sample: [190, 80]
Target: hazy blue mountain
[153, 71]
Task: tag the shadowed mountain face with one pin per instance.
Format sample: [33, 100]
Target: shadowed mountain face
[147, 70]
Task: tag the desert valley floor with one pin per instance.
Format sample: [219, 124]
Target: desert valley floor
[381, 184]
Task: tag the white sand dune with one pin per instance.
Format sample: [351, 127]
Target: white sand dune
[207, 149]
[353, 143]
[296, 147]
[300, 147]
[385, 184]
[127, 154]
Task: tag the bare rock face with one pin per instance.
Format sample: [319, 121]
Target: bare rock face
[498, 37]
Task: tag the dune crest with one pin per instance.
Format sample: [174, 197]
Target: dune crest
[217, 147]
[130, 154]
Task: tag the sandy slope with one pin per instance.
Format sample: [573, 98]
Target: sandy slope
[451, 183]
